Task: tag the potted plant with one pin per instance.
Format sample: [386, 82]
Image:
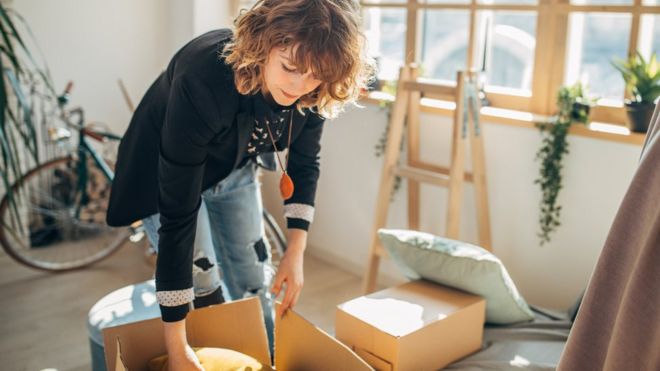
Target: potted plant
[573, 108]
[27, 98]
[643, 84]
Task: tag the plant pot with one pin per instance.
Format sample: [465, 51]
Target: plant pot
[580, 112]
[639, 116]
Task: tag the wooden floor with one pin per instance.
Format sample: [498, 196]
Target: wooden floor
[43, 315]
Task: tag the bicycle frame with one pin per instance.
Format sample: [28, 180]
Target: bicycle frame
[84, 150]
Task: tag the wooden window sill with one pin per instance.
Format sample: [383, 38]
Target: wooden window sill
[598, 130]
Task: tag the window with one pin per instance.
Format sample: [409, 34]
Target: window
[594, 39]
[510, 42]
[526, 48]
[444, 43]
[649, 35]
[386, 30]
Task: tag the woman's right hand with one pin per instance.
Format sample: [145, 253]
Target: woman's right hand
[180, 356]
[183, 360]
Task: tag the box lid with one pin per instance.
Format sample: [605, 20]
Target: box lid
[403, 309]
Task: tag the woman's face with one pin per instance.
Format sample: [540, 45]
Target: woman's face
[283, 81]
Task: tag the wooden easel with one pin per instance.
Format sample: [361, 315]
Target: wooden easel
[407, 103]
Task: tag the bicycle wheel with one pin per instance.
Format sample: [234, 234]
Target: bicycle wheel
[275, 238]
[50, 226]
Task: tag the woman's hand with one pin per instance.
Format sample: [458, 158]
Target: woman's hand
[290, 271]
[183, 360]
[180, 356]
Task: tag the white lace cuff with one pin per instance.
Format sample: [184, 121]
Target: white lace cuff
[175, 297]
[299, 211]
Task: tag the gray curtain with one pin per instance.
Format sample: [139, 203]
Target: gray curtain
[618, 324]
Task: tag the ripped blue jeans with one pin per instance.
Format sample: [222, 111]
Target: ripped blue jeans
[230, 232]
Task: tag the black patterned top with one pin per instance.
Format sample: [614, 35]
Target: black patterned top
[267, 112]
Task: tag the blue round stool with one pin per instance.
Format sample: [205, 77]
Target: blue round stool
[128, 304]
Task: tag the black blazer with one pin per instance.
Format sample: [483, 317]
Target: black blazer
[189, 131]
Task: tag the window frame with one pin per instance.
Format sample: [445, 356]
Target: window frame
[552, 25]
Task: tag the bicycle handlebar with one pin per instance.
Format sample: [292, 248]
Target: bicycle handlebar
[68, 88]
[68, 116]
[63, 98]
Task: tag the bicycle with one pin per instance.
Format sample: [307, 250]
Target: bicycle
[56, 221]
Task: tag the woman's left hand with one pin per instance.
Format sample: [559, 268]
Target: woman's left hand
[290, 271]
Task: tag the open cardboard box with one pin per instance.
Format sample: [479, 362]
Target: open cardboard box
[237, 325]
[418, 325]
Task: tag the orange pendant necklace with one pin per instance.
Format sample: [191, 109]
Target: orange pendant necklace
[286, 184]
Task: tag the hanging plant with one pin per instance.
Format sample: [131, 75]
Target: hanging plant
[574, 107]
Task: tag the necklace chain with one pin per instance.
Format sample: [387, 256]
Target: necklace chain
[284, 169]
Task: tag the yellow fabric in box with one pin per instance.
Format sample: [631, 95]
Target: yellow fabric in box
[216, 359]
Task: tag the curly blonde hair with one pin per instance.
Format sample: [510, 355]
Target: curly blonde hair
[330, 44]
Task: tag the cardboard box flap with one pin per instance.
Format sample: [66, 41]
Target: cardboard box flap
[420, 302]
[379, 363]
[119, 363]
[299, 345]
[145, 336]
[236, 325]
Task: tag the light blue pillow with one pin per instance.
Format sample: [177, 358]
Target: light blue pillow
[460, 265]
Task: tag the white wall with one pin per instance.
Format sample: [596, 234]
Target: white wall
[211, 14]
[95, 42]
[190, 18]
[596, 176]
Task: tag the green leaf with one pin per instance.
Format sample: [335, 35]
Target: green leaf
[18, 131]
[43, 71]
[653, 66]
[26, 108]
[8, 44]
[641, 77]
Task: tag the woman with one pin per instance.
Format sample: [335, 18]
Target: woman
[229, 100]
